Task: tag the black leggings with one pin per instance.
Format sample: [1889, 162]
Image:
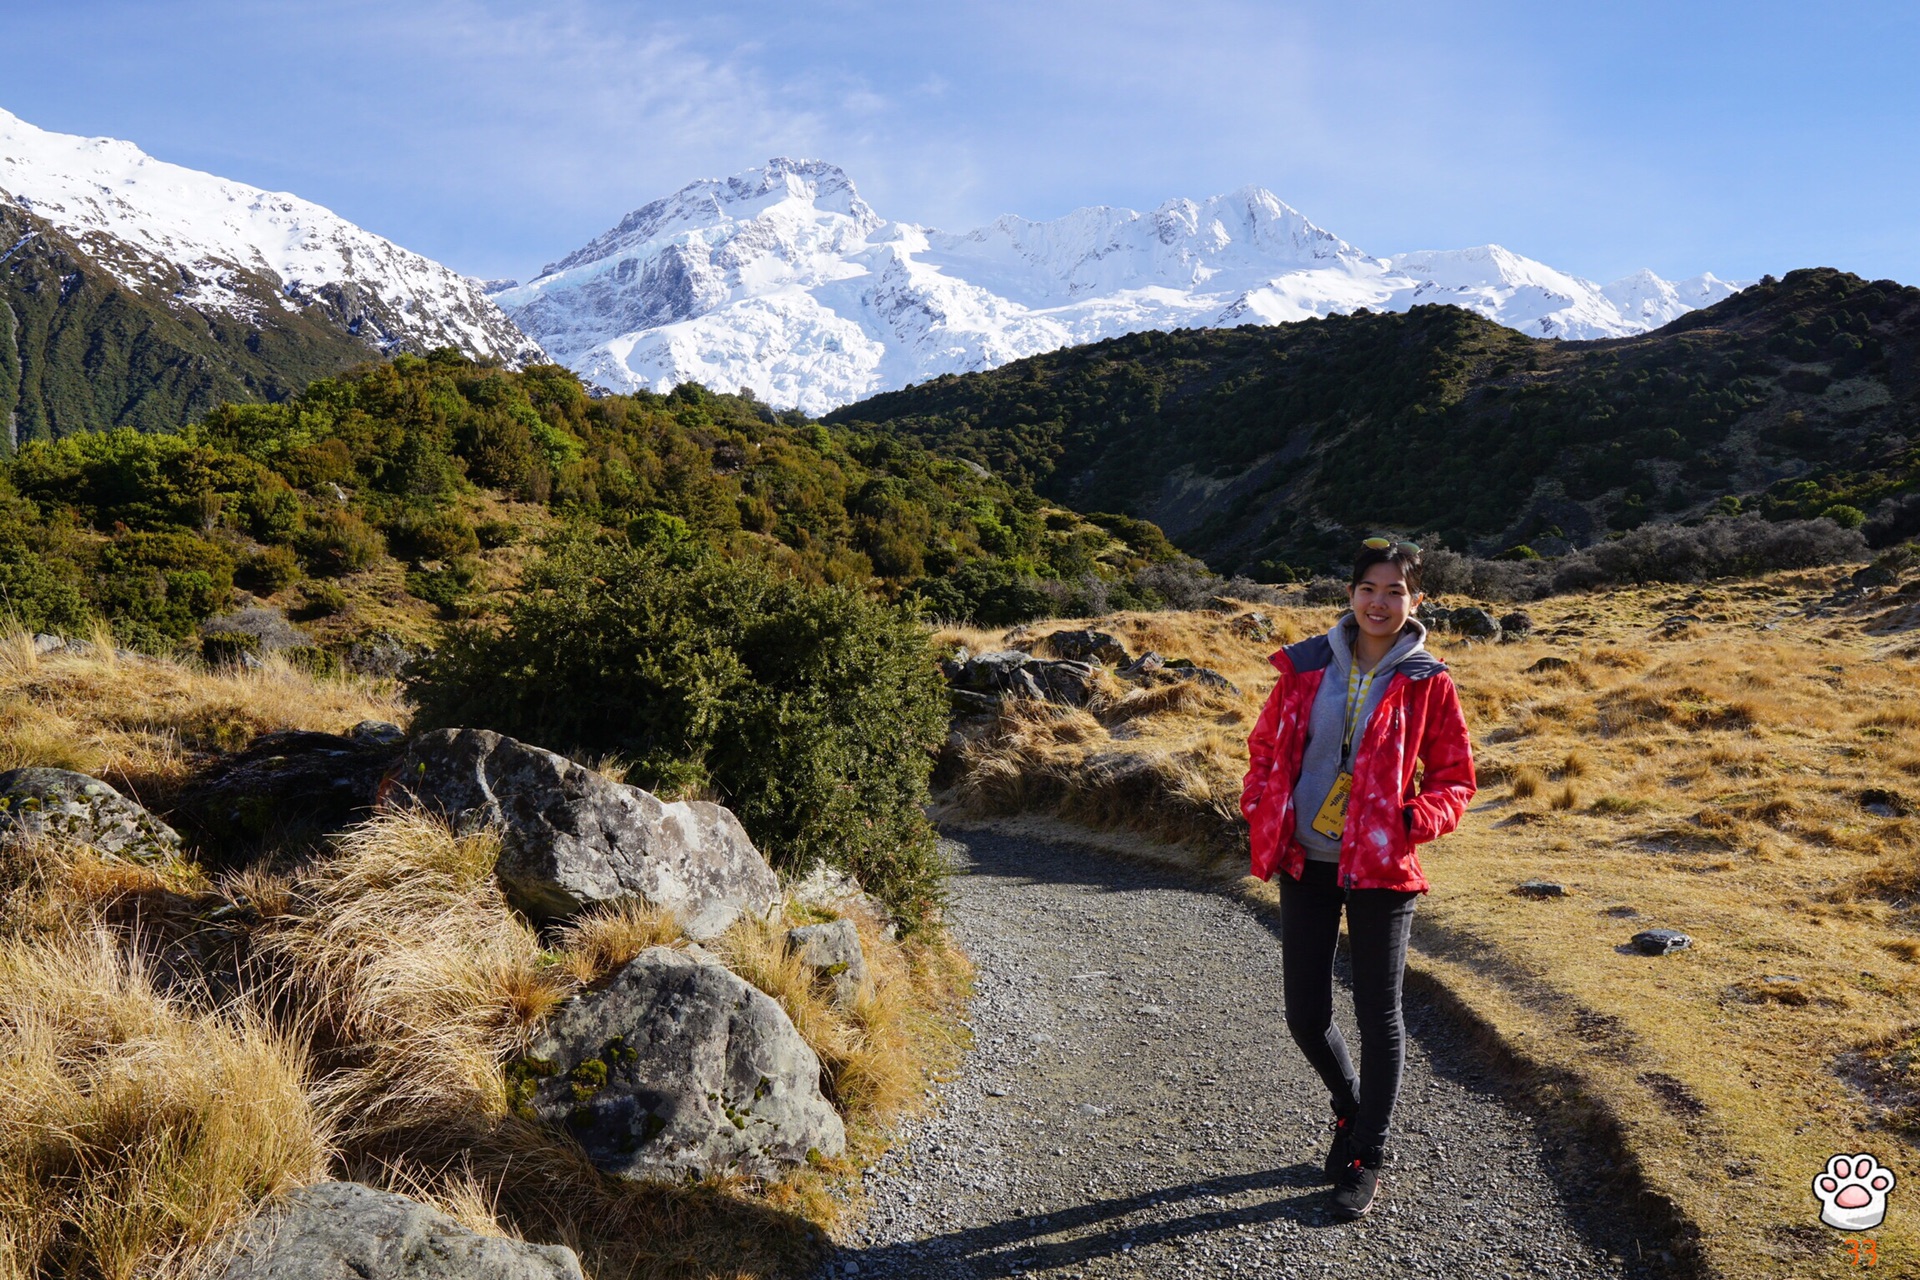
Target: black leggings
[1377, 925]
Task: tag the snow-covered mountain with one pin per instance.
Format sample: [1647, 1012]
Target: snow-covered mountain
[204, 243]
[784, 280]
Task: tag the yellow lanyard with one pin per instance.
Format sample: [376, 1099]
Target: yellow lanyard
[1357, 687]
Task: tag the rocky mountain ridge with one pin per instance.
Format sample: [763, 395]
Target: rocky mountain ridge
[782, 279]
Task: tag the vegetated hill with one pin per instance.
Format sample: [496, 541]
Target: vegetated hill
[1268, 449]
[398, 490]
[81, 351]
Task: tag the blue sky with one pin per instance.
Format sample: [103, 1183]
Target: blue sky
[1740, 138]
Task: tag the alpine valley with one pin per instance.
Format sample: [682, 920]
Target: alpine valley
[140, 293]
[783, 280]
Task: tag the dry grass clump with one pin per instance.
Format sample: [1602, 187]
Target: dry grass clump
[140, 723]
[419, 980]
[1163, 757]
[135, 1127]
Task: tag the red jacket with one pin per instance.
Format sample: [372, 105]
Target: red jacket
[1418, 721]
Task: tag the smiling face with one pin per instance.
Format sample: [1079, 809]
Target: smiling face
[1381, 600]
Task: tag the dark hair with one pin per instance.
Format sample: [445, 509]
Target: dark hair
[1400, 554]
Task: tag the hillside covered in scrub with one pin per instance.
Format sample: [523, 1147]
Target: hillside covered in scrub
[1268, 449]
[404, 491]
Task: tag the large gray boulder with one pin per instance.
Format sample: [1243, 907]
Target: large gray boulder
[61, 804]
[833, 953]
[678, 1067]
[346, 1231]
[573, 839]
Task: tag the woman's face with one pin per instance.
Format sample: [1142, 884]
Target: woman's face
[1381, 601]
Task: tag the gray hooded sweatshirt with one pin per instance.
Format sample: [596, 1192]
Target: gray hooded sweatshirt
[1321, 764]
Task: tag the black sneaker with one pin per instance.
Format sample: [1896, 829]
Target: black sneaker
[1341, 1153]
[1353, 1194]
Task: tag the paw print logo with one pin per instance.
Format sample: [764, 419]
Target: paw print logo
[1853, 1192]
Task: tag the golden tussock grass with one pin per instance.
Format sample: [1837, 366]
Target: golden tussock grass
[135, 1128]
[1164, 757]
[1714, 780]
[142, 723]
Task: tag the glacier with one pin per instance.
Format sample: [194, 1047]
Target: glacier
[201, 241]
[782, 281]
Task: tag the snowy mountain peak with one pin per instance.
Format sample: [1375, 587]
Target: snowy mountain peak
[202, 241]
[799, 188]
[783, 280]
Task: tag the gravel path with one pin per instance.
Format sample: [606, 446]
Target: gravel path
[1133, 1107]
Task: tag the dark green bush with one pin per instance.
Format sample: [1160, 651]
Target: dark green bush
[270, 570]
[339, 541]
[432, 535]
[312, 658]
[228, 648]
[320, 600]
[157, 586]
[40, 594]
[811, 711]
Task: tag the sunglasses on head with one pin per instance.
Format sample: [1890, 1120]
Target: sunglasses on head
[1381, 544]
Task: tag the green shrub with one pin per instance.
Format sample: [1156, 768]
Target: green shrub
[339, 541]
[320, 600]
[811, 711]
[271, 570]
[157, 586]
[432, 535]
[497, 533]
[1845, 516]
[312, 658]
[228, 648]
[39, 594]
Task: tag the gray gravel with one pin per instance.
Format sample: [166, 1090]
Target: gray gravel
[1133, 1107]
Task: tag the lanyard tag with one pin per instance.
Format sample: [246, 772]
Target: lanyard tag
[1332, 818]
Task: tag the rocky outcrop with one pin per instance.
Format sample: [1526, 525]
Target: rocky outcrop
[1088, 646]
[573, 839]
[347, 1231]
[678, 1067]
[979, 681]
[832, 952]
[60, 804]
[311, 782]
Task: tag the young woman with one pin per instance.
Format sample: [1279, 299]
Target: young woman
[1336, 811]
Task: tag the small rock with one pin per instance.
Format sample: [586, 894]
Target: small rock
[1659, 942]
[1883, 803]
[378, 733]
[1540, 889]
[832, 950]
[1146, 663]
[1474, 624]
[1548, 665]
[345, 1229]
[62, 804]
[1255, 626]
[1516, 624]
[677, 1067]
[44, 644]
